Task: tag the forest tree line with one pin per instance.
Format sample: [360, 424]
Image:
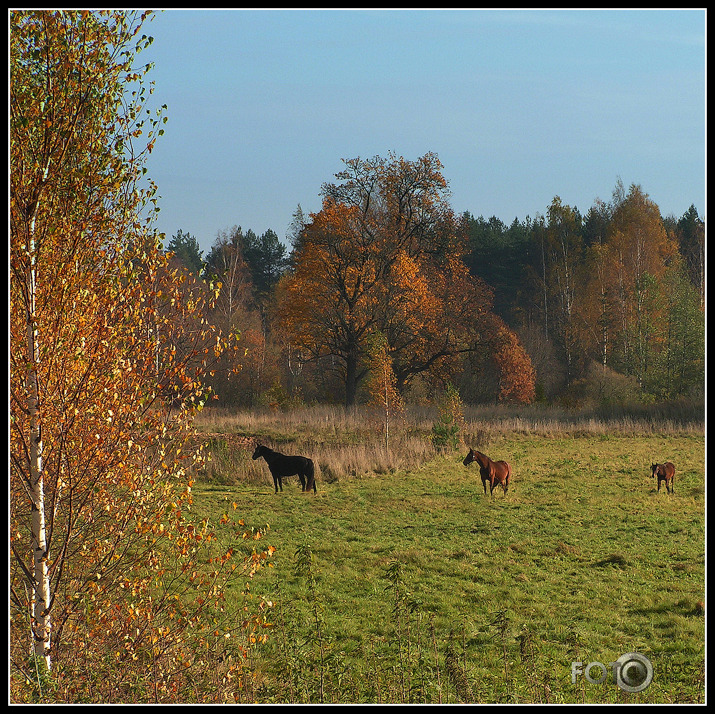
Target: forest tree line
[595, 308]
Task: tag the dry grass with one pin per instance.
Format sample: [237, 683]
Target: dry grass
[338, 462]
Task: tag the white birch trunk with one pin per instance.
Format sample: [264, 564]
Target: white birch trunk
[41, 595]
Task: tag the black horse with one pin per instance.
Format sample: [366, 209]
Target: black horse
[282, 466]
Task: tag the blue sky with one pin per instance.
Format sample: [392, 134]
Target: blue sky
[520, 106]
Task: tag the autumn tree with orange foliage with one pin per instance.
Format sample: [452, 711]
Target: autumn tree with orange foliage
[115, 594]
[517, 375]
[384, 255]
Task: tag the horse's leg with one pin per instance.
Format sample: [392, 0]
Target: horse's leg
[302, 480]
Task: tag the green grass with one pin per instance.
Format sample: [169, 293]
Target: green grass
[425, 590]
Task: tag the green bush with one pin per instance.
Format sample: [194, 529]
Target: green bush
[447, 429]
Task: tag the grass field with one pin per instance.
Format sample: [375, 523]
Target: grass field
[407, 584]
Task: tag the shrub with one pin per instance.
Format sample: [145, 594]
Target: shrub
[446, 430]
[603, 386]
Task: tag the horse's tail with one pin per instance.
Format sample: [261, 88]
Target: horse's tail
[310, 472]
[508, 477]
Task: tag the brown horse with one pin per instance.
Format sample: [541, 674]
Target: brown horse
[664, 472]
[495, 472]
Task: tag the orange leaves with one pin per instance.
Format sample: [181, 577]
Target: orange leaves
[412, 292]
[412, 288]
[518, 377]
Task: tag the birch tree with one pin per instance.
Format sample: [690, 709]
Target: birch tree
[639, 250]
[100, 335]
[382, 383]
[73, 173]
[563, 255]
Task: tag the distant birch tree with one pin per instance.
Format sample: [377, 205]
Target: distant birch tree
[382, 383]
